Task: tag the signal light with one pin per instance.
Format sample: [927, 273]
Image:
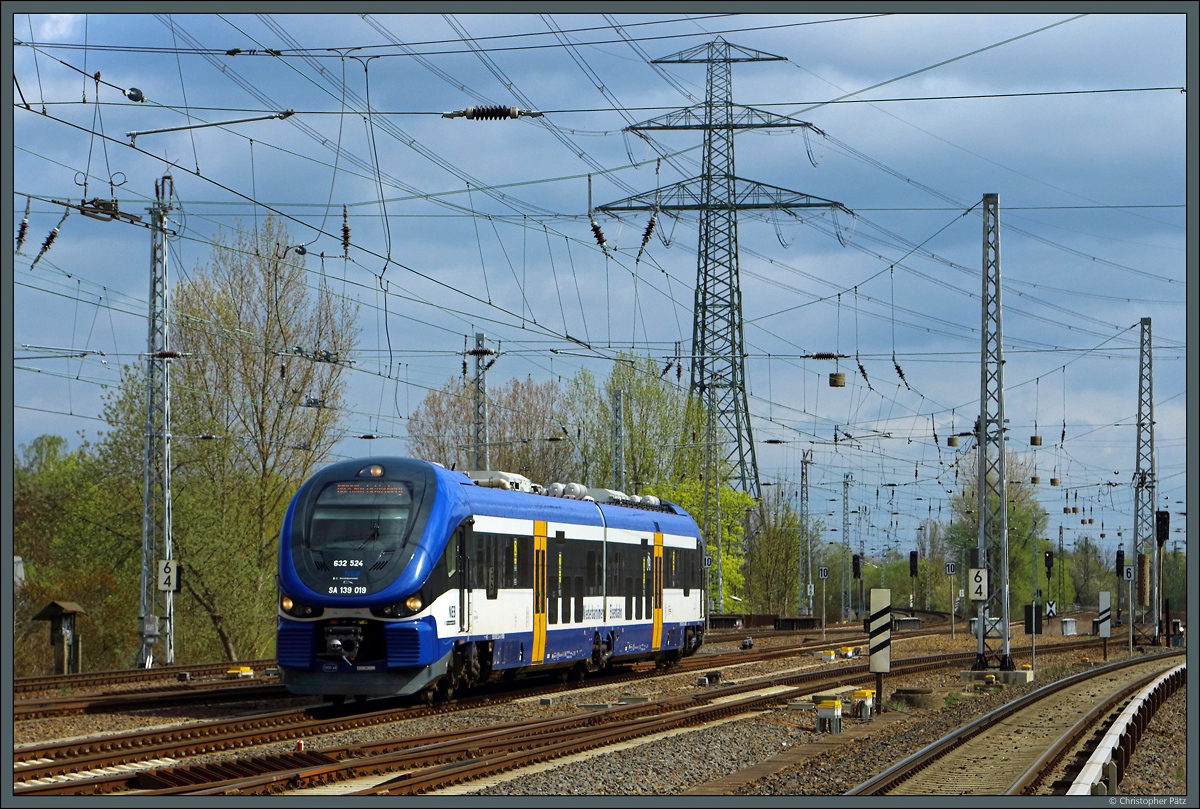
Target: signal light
[857, 560]
[1120, 562]
[1049, 561]
[912, 563]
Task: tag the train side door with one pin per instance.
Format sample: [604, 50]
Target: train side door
[464, 537]
[656, 570]
[538, 652]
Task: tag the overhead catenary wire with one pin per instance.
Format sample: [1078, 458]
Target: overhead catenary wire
[495, 221]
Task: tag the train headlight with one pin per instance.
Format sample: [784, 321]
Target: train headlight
[400, 609]
[296, 609]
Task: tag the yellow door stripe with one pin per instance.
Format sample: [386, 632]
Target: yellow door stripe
[538, 652]
[657, 572]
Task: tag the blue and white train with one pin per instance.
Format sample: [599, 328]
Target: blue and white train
[398, 576]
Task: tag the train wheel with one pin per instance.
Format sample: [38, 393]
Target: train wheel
[426, 696]
[445, 689]
[335, 699]
[360, 697]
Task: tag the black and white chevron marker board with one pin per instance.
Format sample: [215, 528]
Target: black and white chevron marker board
[879, 637]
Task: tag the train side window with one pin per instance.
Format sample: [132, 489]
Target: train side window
[491, 553]
[450, 557]
[524, 562]
[475, 549]
[553, 586]
[579, 599]
[593, 574]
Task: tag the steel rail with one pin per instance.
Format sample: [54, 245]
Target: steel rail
[881, 783]
[1105, 767]
[1032, 778]
[804, 682]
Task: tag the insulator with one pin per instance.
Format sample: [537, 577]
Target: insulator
[464, 367]
[491, 112]
[24, 228]
[345, 232]
[663, 372]
[488, 367]
[863, 371]
[649, 229]
[646, 237]
[900, 373]
[824, 355]
[599, 236]
[45, 246]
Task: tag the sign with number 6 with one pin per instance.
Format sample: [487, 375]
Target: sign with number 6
[977, 581]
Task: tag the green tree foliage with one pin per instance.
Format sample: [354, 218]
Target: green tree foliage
[551, 431]
[526, 432]
[1174, 576]
[734, 505]
[1090, 571]
[74, 548]
[1027, 522]
[255, 399]
[772, 565]
[265, 378]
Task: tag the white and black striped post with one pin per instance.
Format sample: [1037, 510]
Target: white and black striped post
[879, 639]
[1103, 622]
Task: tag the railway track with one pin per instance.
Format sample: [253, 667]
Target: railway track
[63, 758]
[267, 772]
[1015, 749]
[147, 698]
[69, 683]
[265, 685]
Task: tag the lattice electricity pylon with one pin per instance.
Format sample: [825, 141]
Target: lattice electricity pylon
[718, 356]
[992, 493]
[156, 607]
[479, 404]
[804, 599]
[847, 597]
[1145, 625]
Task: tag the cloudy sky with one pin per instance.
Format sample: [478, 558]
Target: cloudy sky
[1076, 121]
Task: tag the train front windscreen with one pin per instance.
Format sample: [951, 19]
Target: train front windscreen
[356, 514]
[354, 530]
